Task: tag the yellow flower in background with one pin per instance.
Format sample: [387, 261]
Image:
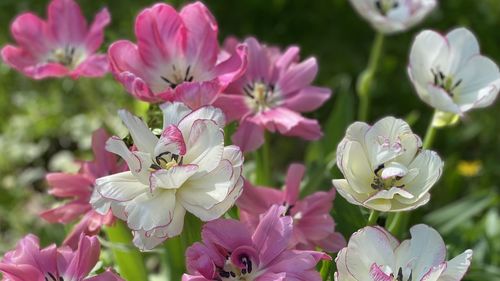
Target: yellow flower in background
[469, 168]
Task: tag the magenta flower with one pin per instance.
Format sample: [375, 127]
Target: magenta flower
[61, 46]
[313, 226]
[230, 251]
[173, 52]
[79, 187]
[30, 263]
[271, 95]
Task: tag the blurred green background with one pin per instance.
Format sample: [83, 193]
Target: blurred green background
[47, 124]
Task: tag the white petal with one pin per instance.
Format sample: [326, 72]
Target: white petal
[143, 138]
[137, 161]
[383, 200]
[356, 167]
[342, 273]
[173, 113]
[441, 100]
[383, 141]
[345, 190]
[393, 169]
[210, 189]
[147, 240]
[149, 211]
[411, 144]
[430, 168]
[120, 187]
[427, 48]
[463, 45]
[203, 113]
[427, 249]
[219, 209]
[434, 273]
[172, 178]
[367, 246]
[204, 145]
[457, 267]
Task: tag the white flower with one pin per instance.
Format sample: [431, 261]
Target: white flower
[391, 16]
[187, 168]
[384, 166]
[449, 74]
[373, 254]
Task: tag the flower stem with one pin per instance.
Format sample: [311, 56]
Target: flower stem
[262, 161]
[372, 219]
[326, 268]
[128, 259]
[400, 220]
[175, 248]
[366, 78]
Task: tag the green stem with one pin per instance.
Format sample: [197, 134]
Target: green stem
[326, 267]
[129, 260]
[175, 248]
[400, 220]
[372, 219]
[262, 161]
[366, 78]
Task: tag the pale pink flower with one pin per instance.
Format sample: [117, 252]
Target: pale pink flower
[30, 263]
[174, 50]
[61, 46]
[79, 188]
[231, 251]
[312, 223]
[272, 94]
[373, 254]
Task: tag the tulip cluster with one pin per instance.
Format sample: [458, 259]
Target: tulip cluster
[161, 177]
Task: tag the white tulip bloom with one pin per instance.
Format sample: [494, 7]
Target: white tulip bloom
[391, 16]
[186, 169]
[449, 73]
[385, 167]
[373, 254]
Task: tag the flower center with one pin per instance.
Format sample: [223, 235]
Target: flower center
[385, 6]
[178, 76]
[389, 176]
[166, 161]
[52, 277]
[68, 56]
[232, 272]
[445, 82]
[261, 96]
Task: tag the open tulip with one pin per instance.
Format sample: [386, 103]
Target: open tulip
[392, 16]
[174, 51]
[231, 251]
[30, 263]
[385, 167]
[61, 46]
[373, 254]
[450, 74]
[187, 168]
[272, 94]
[313, 226]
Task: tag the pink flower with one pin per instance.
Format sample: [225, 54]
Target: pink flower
[79, 187]
[230, 251]
[61, 46]
[313, 225]
[29, 262]
[271, 95]
[174, 51]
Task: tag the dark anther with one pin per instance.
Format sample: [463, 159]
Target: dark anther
[223, 273]
[435, 77]
[441, 75]
[288, 210]
[155, 167]
[400, 275]
[456, 84]
[411, 276]
[52, 277]
[248, 89]
[380, 167]
[187, 72]
[232, 274]
[172, 85]
[248, 263]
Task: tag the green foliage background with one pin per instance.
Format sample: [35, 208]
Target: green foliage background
[46, 124]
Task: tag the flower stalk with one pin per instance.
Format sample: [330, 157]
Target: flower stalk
[372, 219]
[262, 162]
[365, 80]
[129, 260]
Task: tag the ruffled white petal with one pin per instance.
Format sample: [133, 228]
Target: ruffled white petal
[143, 138]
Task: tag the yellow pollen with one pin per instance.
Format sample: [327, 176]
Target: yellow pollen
[469, 168]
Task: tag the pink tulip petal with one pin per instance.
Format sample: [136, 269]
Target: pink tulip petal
[234, 106]
[307, 99]
[197, 94]
[17, 58]
[108, 275]
[232, 68]
[32, 34]
[92, 66]
[95, 35]
[298, 76]
[202, 46]
[249, 136]
[289, 123]
[66, 22]
[294, 176]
